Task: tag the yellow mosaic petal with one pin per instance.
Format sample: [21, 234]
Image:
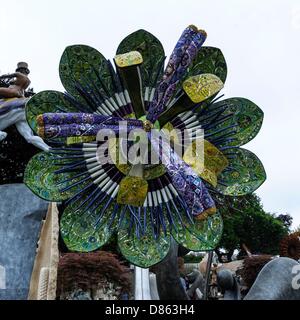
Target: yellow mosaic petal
[132, 191]
[117, 157]
[207, 160]
[80, 139]
[41, 131]
[40, 120]
[150, 172]
[205, 214]
[202, 87]
[128, 59]
[130, 116]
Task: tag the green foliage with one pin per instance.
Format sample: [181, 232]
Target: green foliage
[191, 258]
[15, 153]
[246, 222]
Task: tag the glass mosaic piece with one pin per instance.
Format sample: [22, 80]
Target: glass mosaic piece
[41, 177]
[83, 70]
[209, 60]
[208, 163]
[131, 58]
[142, 249]
[132, 191]
[244, 174]
[202, 87]
[81, 228]
[236, 121]
[202, 236]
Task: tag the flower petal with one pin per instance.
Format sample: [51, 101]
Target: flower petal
[46, 102]
[87, 68]
[244, 174]
[152, 52]
[143, 251]
[81, 230]
[41, 178]
[201, 87]
[209, 60]
[204, 235]
[232, 122]
[209, 163]
[132, 191]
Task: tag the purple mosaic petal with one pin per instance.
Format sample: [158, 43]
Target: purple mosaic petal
[83, 118]
[57, 125]
[74, 129]
[187, 183]
[184, 53]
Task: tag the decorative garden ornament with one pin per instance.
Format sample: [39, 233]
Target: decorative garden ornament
[146, 204]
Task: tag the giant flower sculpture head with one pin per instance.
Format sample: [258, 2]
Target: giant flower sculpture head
[146, 203]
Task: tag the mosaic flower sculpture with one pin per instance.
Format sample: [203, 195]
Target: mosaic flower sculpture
[146, 204]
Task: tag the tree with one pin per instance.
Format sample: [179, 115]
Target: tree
[15, 152]
[246, 223]
[286, 219]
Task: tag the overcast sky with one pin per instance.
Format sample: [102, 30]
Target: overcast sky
[259, 38]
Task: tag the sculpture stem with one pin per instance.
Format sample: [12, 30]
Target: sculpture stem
[207, 274]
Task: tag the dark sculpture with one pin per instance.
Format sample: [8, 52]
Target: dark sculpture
[197, 285]
[278, 280]
[228, 284]
[18, 84]
[167, 276]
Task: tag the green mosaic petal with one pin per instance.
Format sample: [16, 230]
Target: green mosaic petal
[246, 116]
[41, 179]
[87, 66]
[209, 60]
[144, 251]
[43, 102]
[151, 50]
[244, 174]
[80, 230]
[201, 236]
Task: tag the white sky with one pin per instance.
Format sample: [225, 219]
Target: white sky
[259, 38]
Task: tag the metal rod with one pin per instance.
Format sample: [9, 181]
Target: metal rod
[207, 274]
